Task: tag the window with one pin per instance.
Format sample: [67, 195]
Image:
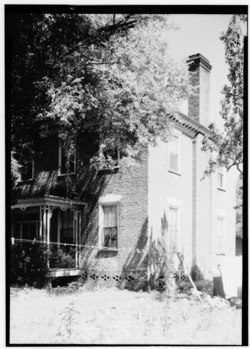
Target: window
[221, 178]
[67, 159]
[109, 226]
[220, 235]
[174, 154]
[26, 162]
[173, 228]
[66, 231]
[27, 225]
[110, 158]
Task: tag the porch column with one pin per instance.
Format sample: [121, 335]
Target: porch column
[59, 221]
[44, 229]
[41, 213]
[49, 215]
[76, 234]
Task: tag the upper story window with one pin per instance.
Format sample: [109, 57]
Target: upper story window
[174, 153]
[221, 178]
[109, 158]
[66, 158]
[26, 168]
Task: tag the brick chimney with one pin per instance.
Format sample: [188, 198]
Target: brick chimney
[199, 97]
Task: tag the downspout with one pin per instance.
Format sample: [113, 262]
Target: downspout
[210, 220]
[148, 226]
[194, 197]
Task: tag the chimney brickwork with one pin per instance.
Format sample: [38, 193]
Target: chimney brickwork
[199, 98]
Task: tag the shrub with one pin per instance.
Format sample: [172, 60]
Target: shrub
[28, 265]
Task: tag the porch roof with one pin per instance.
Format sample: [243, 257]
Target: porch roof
[48, 200]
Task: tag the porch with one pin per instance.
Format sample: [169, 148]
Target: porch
[52, 224]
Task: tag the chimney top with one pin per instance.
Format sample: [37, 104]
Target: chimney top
[198, 59]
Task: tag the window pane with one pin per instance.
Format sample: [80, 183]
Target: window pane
[109, 238]
[110, 216]
[173, 229]
[106, 211]
[113, 218]
[173, 219]
[106, 235]
[174, 162]
[30, 230]
[220, 180]
[220, 235]
[174, 154]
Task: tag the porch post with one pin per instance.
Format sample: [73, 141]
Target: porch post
[44, 225]
[49, 215]
[58, 227]
[40, 223]
[76, 232]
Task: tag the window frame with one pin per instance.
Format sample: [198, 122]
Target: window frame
[221, 172]
[23, 220]
[177, 208]
[176, 134]
[60, 147]
[223, 252]
[108, 200]
[23, 180]
[116, 159]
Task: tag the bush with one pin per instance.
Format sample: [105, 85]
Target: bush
[196, 273]
[28, 265]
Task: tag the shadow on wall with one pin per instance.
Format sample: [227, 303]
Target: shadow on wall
[150, 265]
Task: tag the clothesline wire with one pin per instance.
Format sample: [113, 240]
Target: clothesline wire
[35, 241]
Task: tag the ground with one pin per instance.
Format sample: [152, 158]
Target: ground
[113, 316]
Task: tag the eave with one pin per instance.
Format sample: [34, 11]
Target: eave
[188, 125]
[48, 200]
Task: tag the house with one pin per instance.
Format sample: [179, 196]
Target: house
[123, 226]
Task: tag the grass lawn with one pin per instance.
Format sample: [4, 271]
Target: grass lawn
[112, 316]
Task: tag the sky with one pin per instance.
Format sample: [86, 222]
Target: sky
[201, 34]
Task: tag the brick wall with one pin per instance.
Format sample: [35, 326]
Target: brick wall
[131, 184]
[199, 98]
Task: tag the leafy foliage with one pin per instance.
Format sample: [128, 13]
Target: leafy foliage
[107, 74]
[228, 145]
[28, 264]
[15, 170]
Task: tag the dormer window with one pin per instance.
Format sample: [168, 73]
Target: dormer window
[66, 158]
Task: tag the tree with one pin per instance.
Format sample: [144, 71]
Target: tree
[107, 74]
[228, 145]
